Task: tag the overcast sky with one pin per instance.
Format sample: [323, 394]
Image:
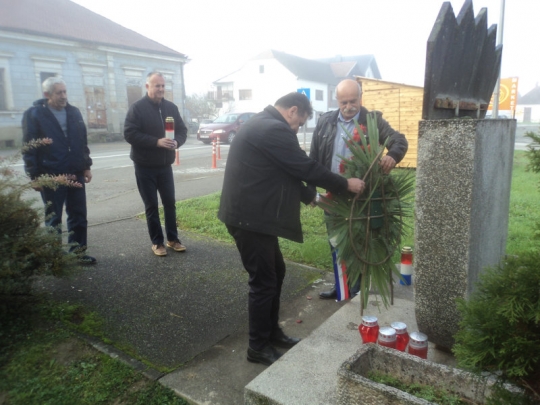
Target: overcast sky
[219, 36]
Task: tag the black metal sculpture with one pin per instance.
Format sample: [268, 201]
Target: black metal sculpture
[462, 64]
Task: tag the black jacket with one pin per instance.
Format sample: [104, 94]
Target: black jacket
[67, 154]
[145, 124]
[322, 143]
[263, 184]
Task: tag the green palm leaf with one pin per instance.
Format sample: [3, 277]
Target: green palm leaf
[367, 229]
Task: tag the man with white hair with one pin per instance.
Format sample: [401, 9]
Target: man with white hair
[329, 147]
[153, 154]
[68, 154]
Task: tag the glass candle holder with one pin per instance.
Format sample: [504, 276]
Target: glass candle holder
[402, 337]
[169, 127]
[418, 345]
[387, 337]
[406, 265]
[369, 329]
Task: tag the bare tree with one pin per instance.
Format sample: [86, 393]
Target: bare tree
[200, 107]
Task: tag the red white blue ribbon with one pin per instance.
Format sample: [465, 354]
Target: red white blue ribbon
[340, 275]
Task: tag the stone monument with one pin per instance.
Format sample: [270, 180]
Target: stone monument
[463, 173]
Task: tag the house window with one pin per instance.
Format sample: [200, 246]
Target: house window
[45, 75]
[319, 95]
[6, 92]
[225, 92]
[3, 103]
[245, 94]
[96, 112]
[261, 68]
[134, 93]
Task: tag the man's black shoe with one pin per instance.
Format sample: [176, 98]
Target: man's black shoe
[280, 339]
[87, 260]
[266, 356]
[330, 294]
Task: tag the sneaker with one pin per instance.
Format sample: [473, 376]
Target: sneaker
[87, 260]
[159, 250]
[176, 246]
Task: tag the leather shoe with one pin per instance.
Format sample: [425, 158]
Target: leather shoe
[330, 294]
[266, 356]
[280, 339]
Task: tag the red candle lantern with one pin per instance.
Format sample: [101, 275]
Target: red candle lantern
[406, 265]
[169, 127]
[418, 345]
[387, 337]
[402, 337]
[369, 329]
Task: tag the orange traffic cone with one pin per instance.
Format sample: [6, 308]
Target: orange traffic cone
[218, 150]
[177, 161]
[214, 165]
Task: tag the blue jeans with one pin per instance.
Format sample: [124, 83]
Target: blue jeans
[75, 200]
[150, 181]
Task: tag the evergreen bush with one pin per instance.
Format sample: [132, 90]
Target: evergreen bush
[27, 249]
[500, 323]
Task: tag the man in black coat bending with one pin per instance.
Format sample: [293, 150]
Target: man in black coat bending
[262, 190]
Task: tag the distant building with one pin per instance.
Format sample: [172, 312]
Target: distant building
[528, 106]
[104, 64]
[270, 75]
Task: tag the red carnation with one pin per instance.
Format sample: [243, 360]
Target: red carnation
[363, 128]
[356, 136]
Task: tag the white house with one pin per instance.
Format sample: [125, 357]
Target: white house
[272, 74]
[528, 107]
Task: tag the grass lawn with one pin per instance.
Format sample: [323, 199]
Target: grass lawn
[42, 361]
[200, 215]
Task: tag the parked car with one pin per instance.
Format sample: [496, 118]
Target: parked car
[223, 128]
[192, 126]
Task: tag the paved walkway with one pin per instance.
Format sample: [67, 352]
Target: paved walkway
[186, 313]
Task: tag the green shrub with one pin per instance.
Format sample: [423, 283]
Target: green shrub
[533, 154]
[500, 326]
[27, 249]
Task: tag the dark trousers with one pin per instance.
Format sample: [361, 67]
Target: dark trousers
[150, 182]
[75, 201]
[263, 260]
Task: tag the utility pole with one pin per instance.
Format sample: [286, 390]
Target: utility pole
[495, 113]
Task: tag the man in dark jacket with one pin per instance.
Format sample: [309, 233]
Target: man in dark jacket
[328, 144]
[260, 201]
[68, 154]
[153, 154]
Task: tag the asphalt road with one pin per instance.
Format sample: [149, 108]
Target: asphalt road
[113, 194]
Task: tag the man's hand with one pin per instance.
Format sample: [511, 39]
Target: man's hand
[387, 163]
[166, 143]
[87, 176]
[356, 185]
